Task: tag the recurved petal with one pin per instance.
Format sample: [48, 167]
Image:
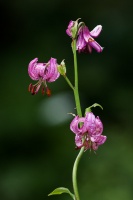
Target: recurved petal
[99, 126]
[36, 70]
[74, 126]
[95, 45]
[96, 31]
[89, 118]
[68, 30]
[93, 124]
[51, 71]
[86, 33]
[99, 139]
[81, 43]
[78, 141]
[31, 69]
[90, 122]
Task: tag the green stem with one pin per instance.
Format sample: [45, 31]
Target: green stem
[76, 92]
[74, 174]
[68, 81]
[79, 112]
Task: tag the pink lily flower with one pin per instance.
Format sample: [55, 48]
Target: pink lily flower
[86, 41]
[89, 133]
[43, 72]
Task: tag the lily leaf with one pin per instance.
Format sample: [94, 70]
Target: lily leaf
[93, 106]
[96, 104]
[61, 190]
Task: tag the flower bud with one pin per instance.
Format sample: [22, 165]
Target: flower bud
[62, 68]
[72, 28]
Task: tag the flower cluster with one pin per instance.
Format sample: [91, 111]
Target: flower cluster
[85, 38]
[88, 131]
[43, 72]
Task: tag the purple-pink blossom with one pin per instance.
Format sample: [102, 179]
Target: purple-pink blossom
[43, 73]
[85, 38]
[86, 42]
[88, 131]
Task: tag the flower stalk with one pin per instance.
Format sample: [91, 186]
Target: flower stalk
[74, 173]
[79, 112]
[76, 91]
[69, 83]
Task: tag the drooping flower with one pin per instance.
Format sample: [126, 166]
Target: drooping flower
[86, 42]
[88, 131]
[43, 72]
[85, 38]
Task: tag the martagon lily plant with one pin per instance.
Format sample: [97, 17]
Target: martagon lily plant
[87, 128]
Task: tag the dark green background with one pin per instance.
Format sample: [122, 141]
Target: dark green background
[37, 153]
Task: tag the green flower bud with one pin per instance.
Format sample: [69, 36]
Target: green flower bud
[62, 68]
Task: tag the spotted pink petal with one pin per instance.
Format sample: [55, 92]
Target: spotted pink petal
[52, 72]
[78, 141]
[36, 70]
[31, 69]
[100, 139]
[93, 124]
[74, 126]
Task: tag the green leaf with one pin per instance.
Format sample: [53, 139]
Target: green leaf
[94, 105]
[61, 190]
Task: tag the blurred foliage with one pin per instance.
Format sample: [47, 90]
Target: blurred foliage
[36, 157]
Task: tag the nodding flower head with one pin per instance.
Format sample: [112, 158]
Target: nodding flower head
[84, 38]
[88, 131]
[43, 73]
[86, 41]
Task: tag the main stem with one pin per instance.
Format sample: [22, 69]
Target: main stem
[76, 91]
[79, 112]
